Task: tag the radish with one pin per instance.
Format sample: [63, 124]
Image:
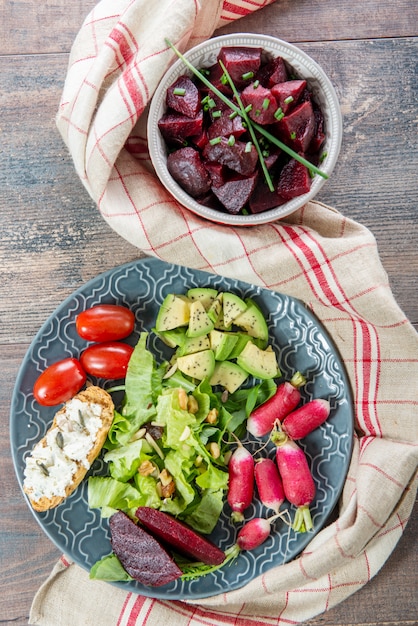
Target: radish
[269, 484]
[254, 532]
[241, 482]
[298, 484]
[306, 418]
[287, 397]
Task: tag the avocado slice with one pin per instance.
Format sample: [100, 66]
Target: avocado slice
[228, 375]
[222, 344]
[199, 321]
[259, 363]
[205, 294]
[194, 344]
[253, 322]
[174, 312]
[198, 365]
[172, 338]
[215, 309]
[233, 306]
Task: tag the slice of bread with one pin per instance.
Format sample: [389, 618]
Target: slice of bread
[60, 460]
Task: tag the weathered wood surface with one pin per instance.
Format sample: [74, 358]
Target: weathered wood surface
[53, 240]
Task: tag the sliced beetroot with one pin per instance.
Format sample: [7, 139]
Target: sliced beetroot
[319, 135]
[297, 128]
[186, 167]
[215, 74]
[217, 173]
[272, 72]
[176, 127]
[183, 96]
[235, 193]
[179, 536]
[241, 63]
[262, 199]
[288, 94]
[240, 157]
[224, 126]
[142, 556]
[294, 180]
[200, 140]
[262, 102]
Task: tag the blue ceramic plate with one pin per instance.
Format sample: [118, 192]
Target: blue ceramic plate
[302, 344]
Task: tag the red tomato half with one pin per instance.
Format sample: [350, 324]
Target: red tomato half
[105, 322]
[59, 382]
[107, 360]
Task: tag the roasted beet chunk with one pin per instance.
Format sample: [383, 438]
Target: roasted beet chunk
[319, 135]
[288, 94]
[263, 104]
[294, 180]
[235, 193]
[175, 127]
[272, 72]
[142, 556]
[183, 96]
[186, 167]
[262, 199]
[240, 157]
[241, 63]
[297, 128]
[224, 126]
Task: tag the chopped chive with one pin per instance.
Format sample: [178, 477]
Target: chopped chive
[288, 100]
[232, 115]
[266, 153]
[248, 146]
[179, 91]
[239, 110]
[279, 115]
[215, 140]
[231, 140]
[323, 156]
[247, 75]
[293, 135]
[211, 103]
[224, 79]
[216, 114]
[205, 100]
[248, 108]
[256, 84]
[266, 104]
[257, 112]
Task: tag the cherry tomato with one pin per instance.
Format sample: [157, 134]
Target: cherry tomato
[105, 322]
[107, 360]
[59, 382]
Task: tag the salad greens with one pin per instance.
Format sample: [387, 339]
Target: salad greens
[163, 453]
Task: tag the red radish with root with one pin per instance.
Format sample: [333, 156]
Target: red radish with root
[255, 532]
[241, 482]
[306, 418]
[298, 484]
[269, 484]
[287, 397]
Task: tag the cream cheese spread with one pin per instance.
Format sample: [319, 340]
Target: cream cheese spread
[51, 465]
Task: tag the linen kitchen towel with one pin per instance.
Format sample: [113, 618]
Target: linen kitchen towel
[316, 255]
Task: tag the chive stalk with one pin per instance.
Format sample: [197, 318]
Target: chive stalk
[237, 110]
[250, 128]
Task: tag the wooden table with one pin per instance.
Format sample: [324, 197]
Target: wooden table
[53, 239]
